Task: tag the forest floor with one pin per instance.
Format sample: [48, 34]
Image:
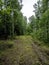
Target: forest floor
[23, 51]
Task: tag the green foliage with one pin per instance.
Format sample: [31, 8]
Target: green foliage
[40, 23]
[12, 21]
[31, 25]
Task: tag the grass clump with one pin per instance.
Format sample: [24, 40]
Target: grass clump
[5, 45]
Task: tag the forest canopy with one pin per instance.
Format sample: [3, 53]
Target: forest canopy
[12, 21]
[40, 22]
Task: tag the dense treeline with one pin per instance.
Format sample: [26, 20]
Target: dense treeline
[12, 21]
[40, 22]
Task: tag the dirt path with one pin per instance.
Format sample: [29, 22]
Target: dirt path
[23, 52]
[42, 56]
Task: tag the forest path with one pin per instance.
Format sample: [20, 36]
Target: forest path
[42, 57]
[23, 52]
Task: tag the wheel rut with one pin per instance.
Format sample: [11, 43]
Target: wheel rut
[41, 56]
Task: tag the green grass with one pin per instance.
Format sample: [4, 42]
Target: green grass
[5, 44]
[44, 46]
[18, 52]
